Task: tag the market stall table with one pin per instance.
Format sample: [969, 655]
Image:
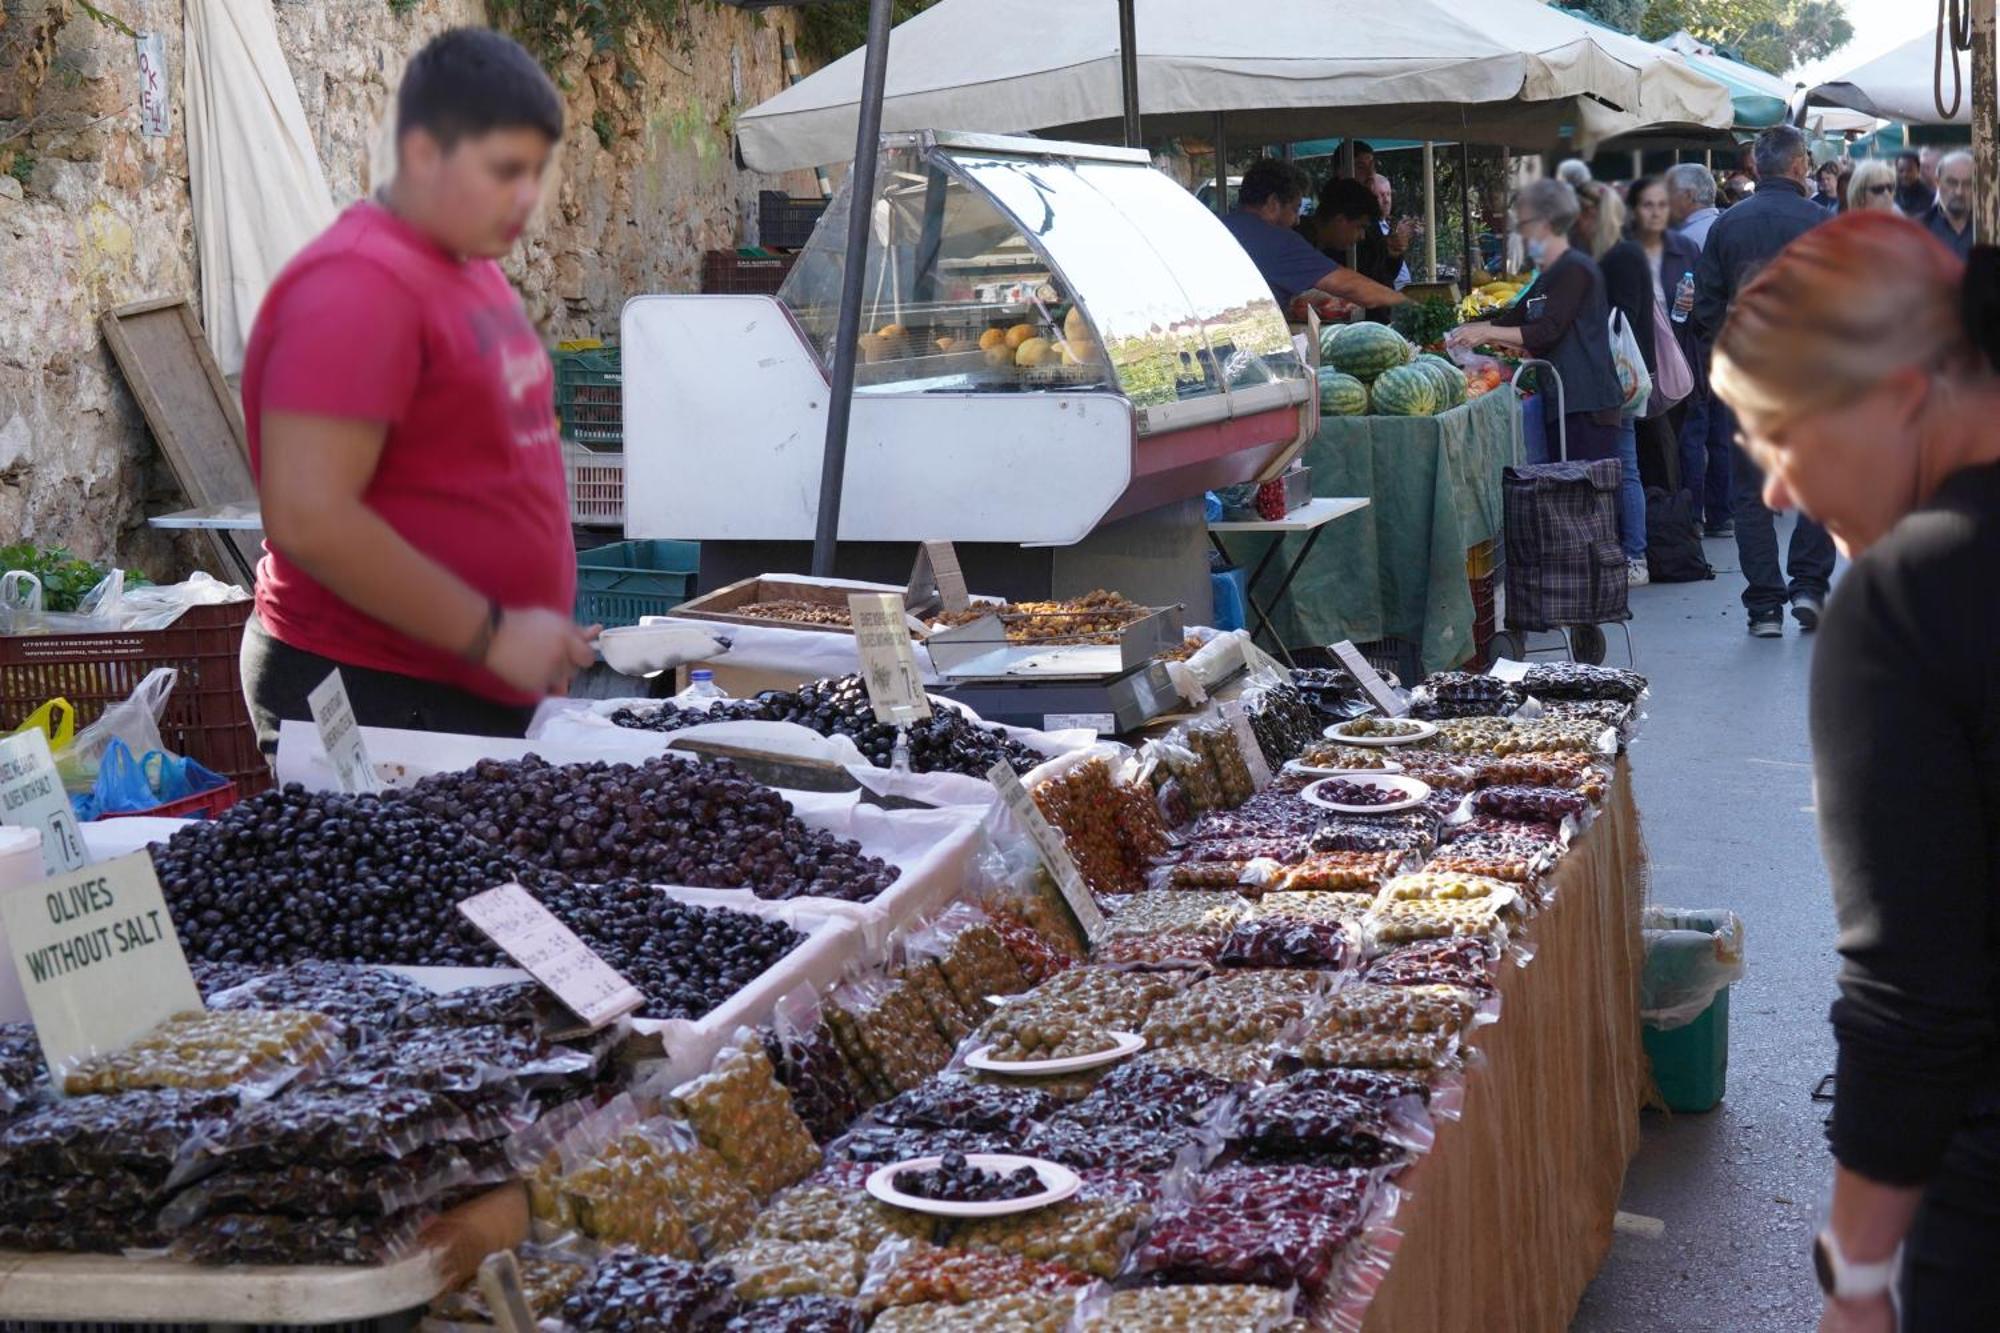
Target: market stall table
[1309, 518]
[1510, 1213]
[1399, 570]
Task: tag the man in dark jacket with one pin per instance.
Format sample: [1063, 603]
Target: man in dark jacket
[1742, 241]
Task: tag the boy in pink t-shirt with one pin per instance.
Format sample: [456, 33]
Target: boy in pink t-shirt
[401, 417]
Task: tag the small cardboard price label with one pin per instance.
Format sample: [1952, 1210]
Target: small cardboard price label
[1049, 843]
[888, 662]
[32, 796]
[938, 579]
[1237, 715]
[1372, 684]
[552, 954]
[1507, 669]
[340, 734]
[98, 958]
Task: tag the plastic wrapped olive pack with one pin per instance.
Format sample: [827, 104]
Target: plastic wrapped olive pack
[808, 1061]
[796, 1314]
[1241, 1007]
[364, 1000]
[886, 1035]
[645, 1293]
[1545, 804]
[328, 1125]
[1089, 1232]
[251, 1051]
[1111, 828]
[1016, 1312]
[972, 955]
[1466, 963]
[1271, 1226]
[1200, 1308]
[1193, 915]
[1454, 694]
[1120, 1148]
[1072, 1013]
[1144, 1094]
[456, 1060]
[1304, 1120]
[1279, 941]
[770, 1270]
[21, 1067]
[953, 1023]
[741, 1112]
[948, 1102]
[818, 1211]
[1428, 919]
[362, 1189]
[1414, 831]
[278, 1238]
[919, 1274]
[1578, 680]
[1448, 886]
[140, 1134]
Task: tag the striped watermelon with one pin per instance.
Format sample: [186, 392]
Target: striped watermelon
[1450, 380]
[1367, 349]
[1405, 391]
[1340, 394]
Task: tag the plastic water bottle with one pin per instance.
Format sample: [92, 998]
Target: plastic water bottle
[1684, 299]
[701, 685]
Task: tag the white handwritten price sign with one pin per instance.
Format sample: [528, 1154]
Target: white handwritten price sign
[340, 734]
[32, 796]
[888, 662]
[552, 954]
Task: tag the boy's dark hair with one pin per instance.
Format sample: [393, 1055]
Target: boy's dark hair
[1915, 159]
[471, 81]
[1268, 178]
[1350, 199]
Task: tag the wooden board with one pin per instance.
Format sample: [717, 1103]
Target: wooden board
[95, 1288]
[193, 413]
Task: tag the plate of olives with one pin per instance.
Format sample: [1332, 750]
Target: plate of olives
[1367, 793]
[1121, 1045]
[1379, 731]
[979, 1184]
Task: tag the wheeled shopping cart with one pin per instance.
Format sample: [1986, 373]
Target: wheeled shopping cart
[1565, 569]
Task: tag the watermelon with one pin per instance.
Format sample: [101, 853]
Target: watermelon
[1366, 350]
[1450, 380]
[1405, 391]
[1340, 394]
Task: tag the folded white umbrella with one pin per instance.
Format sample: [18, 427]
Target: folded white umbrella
[1511, 72]
[1898, 86]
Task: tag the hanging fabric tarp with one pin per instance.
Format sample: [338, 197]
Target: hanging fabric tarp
[259, 193]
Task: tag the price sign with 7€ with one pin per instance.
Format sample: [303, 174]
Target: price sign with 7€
[888, 662]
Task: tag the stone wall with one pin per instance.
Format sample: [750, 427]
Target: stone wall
[93, 216]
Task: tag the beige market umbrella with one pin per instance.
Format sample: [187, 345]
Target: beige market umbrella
[1512, 72]
[1900, 85]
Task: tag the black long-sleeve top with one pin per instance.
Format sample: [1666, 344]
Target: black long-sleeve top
[1743, 240]
[1564, 320]
[1906, 749]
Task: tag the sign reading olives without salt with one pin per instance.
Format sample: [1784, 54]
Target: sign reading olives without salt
[1371, 681]
[98, 957]
[340, 734]
[1049, 843]
[1238, 718]
[552, 954]
[888, 662]
[32, 796]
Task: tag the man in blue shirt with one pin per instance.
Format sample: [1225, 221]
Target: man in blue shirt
[1950, 218]
[1267, 210]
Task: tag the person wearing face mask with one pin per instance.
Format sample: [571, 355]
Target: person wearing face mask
[1564, 319]
[1742, 241]
[1861, 366]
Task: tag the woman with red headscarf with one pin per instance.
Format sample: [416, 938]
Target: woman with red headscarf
[1860, 367]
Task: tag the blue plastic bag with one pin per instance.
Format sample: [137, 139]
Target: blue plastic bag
[121, 787]
[175, 777]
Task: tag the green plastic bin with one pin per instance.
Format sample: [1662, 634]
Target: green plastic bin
[1693, 956]
[620, 583]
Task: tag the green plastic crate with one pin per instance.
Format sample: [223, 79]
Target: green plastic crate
[590, 398]
[620, 583]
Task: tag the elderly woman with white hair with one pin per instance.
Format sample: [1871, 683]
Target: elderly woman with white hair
[1872, 187]
[1563, 319]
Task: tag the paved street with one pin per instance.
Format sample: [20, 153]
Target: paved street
[1726, 795]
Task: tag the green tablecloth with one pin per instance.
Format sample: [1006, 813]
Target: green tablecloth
[1397, 568]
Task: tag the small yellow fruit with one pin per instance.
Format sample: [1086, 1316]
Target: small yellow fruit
[1033, 351]
[1076, 328]
[1019, 334]
[992, 338]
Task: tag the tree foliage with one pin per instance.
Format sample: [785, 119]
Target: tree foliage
[828, 32]
[1771, 34]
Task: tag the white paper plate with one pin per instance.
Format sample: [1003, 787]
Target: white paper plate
[1317, 771]
[1128, 1042]
[1414, 793]
[1425, 731]
[1058, 1182]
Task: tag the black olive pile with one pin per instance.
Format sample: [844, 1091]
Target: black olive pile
[1284, 724]
[664, 822]
[1342, 792]
[292, 875]
[955, 1180]
[948, 742]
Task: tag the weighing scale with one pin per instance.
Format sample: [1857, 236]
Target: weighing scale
[1057, 681]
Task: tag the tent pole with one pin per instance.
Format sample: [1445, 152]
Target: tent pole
[1430, 212]
[1128, 68]
[1985, 132]
[1467, 278]
[860, 215]
[1221, 165]
[791, 58]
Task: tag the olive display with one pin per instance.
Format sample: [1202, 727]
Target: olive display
[1340, 791]
[1405, 831]
[644, 1293]
[290, 876]
[796, 1314]
[1549, 769]
[1098, 1147]
[365, 1000]
[1576, 680]
[1604, 712]
[770, 1270]
[932, 1275]
[20, 1064]
[1145, 1094]
[1088, 1232]
[1112, 829]
[1340, 872]
[1194, 1309]
[955, 1180]
[204, 1049]
[1283, 722]
[1464, 963]
[1429, 919]
[1450, 694]
[741, 1112]
[665, 821]
[1015, 1312]
[954, 1103]
[813, 1070]
[1551, 804]
[1431, 885]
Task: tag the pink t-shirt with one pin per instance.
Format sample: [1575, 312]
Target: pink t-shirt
[374, 322]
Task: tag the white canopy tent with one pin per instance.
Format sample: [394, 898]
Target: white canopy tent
[1281, 70]
[1901, 85]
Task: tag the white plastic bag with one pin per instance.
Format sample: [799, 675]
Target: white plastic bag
[1634, 381]
[136, 721]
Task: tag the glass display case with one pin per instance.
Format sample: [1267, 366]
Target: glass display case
[1009, 266]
